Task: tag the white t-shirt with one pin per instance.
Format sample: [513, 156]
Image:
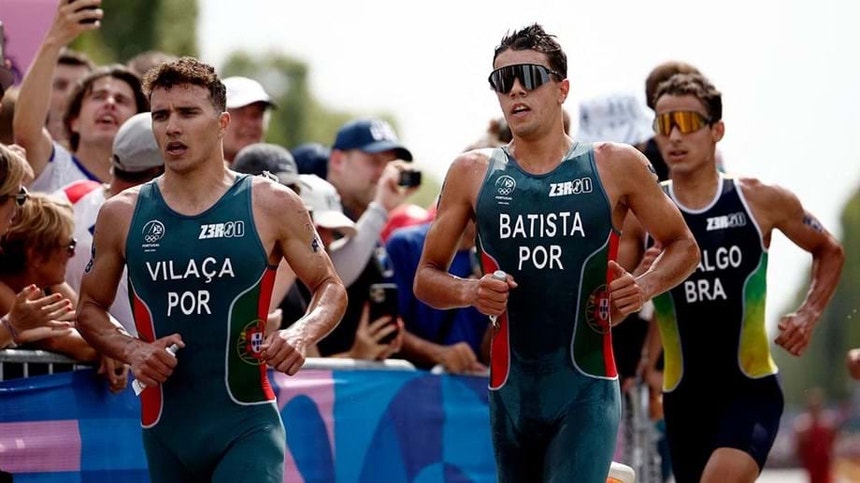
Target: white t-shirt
[87, 197]
[62, 169]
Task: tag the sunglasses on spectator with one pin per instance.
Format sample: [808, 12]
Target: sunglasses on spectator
[531, 76]
[70, 248]
[686, 121]
[21, 196]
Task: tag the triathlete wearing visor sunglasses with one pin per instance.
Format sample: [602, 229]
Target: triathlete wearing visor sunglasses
[686, 121]
[531, 76]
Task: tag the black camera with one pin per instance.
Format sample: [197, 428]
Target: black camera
[409, 178]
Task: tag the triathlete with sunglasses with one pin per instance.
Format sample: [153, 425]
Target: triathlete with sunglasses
[721, 397]
[548, 211]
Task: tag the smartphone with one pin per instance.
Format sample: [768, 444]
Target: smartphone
[86, 20]
[409, 178]
[383, 302]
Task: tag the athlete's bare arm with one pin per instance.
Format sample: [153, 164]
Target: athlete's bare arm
[433, 284]
[631, 185]
[286, 226]
[775, 207]
[150, 363]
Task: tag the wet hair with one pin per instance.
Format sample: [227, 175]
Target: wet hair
[695, 85]
[85, 87]
[535, 38]
[662, 73]
[43, 224]
[187, 71]
[13, 171]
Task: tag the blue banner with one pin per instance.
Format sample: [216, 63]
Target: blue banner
[369, 426]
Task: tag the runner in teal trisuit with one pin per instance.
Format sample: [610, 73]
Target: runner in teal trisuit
[547, 211]
[201, 244]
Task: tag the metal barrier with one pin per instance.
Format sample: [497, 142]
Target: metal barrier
[18, 363]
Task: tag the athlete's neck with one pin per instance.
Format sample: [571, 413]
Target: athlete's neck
[195, 191]
[696, 189]
[540, 155]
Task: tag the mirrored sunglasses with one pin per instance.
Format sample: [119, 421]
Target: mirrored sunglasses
[531, 76]
[686, 121]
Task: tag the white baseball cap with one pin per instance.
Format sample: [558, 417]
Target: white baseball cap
[242, 91]
[322, 199]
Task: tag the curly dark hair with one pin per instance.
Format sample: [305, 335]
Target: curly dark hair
[187, 71]
[535, 38]
[695, 85]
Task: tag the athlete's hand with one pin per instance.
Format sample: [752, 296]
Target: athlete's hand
[795, 332]
[115, 372]
[285, 351]
[624, 292]
[150, 362]
[490, 296]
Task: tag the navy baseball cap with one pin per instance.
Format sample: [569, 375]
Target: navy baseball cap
[312, 158]
[371, 136]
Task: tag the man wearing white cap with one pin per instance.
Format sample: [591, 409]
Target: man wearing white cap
[135, 160]
[248, 104]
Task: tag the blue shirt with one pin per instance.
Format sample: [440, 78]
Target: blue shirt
[444, 327]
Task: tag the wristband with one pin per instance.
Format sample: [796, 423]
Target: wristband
[10, 328]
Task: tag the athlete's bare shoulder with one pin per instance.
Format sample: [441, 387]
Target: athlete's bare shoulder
[620, 157]
[121, 204]
[763, 195]
[465, 174]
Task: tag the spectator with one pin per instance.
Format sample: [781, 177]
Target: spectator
[136, 159]
[35, 251]
[455, 340]
[815, 432]
[7, 112]
[32, 316]
[364, 167]
[97, 107]
[312, 158]
[142, 62]
[72, 66]
[259, 158]
[248, 104]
